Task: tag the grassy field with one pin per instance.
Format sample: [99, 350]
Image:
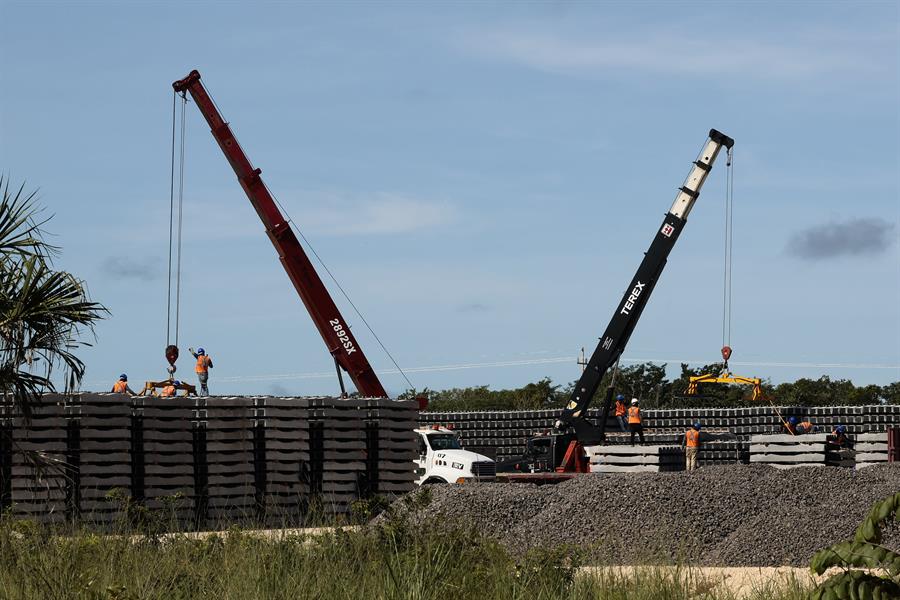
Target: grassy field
[394, 559]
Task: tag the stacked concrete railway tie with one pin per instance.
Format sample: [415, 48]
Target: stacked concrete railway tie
[203, 462]
[503, 434]
[635, 459]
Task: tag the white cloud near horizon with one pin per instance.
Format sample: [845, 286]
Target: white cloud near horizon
[383, 214]
[809, 54]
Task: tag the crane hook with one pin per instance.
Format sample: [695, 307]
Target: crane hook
[171, 356]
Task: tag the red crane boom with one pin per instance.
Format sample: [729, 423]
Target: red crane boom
[325, 314]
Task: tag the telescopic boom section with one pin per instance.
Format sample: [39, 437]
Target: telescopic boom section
[325, 314]
[628, 311]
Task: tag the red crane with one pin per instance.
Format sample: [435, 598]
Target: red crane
[325, 314]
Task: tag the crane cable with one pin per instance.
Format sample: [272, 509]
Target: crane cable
[729, 237]
[176, 205]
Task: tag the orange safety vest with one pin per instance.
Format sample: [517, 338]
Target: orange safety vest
[692, 437]
[620, 409]
[202, 364]
[168, 391]
[120, 386]
[634, 414]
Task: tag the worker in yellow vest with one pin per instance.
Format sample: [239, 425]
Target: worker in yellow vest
[121, 386]
[620, 413]
[204, 364]
[635, 424]
[170, 390]
[691, 445]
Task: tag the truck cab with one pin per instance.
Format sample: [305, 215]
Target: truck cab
[442, 459]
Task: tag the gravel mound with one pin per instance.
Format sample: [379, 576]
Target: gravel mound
[736, 515]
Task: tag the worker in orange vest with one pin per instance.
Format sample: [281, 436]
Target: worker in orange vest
[805, 427]
[170, 390]
[691, 445]
[121, 386]
[620, 412]
[204, 364]
[840, 437]
[634, 421]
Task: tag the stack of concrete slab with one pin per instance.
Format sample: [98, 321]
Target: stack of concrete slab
[41, 469]
[871, 448]
[282, 454]
[104, 455]
[635, 459]
[390, 444]
[231, 485]
[785, 451]
[172, 477]
[342, 428]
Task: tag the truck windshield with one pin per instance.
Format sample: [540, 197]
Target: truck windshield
[443, 441]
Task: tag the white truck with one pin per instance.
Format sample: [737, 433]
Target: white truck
[443, 460]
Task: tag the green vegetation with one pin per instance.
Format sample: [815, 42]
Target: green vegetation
[43, 312]
[864, 551]
[395, 558]
[648, 382]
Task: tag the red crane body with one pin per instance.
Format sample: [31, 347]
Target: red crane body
[321, 307]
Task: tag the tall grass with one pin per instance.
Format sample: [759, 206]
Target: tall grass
[393, 559]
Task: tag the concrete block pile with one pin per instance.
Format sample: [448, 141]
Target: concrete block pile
[503, 434]
[203, 462]
[785, 451]
[870, 449]
[635, 459]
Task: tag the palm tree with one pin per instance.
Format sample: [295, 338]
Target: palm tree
[43, 312]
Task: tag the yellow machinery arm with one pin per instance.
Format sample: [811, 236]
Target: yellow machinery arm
[726, 377]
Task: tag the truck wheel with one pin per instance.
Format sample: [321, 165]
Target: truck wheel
[434, 480]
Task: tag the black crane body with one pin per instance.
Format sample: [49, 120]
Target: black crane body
[573, 430]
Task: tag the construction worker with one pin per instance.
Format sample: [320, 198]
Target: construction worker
[204, 364]
[691, 445]
[620, 413]
[840, 437]
[791, 425]
[121, 386]
[805, 427]
[635, 421]
[170, 390]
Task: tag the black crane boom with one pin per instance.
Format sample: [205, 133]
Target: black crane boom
[635, 298]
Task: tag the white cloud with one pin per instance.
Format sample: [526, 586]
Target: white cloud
[382, 214]
[808, 55]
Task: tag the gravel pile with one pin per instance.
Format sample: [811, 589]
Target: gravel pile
[737, 515]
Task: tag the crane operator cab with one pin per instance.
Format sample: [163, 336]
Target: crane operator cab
[442, 459]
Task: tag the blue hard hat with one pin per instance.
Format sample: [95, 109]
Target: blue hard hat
[841, 428]
[176, 382]
[123, 377]
[201, 351]
[792, 420]
[620, 397]
[697, 425]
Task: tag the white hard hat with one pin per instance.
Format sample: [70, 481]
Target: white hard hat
[634, 400]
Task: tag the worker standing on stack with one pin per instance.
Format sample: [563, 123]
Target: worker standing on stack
[121, 386]
[635, 421]
[620, 412]
[691, 445]
[204, 364]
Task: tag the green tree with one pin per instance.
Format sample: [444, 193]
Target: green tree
[43, 312]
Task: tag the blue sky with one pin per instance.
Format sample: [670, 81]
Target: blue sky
[481, 177]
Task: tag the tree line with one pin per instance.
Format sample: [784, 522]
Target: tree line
[649, 383]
